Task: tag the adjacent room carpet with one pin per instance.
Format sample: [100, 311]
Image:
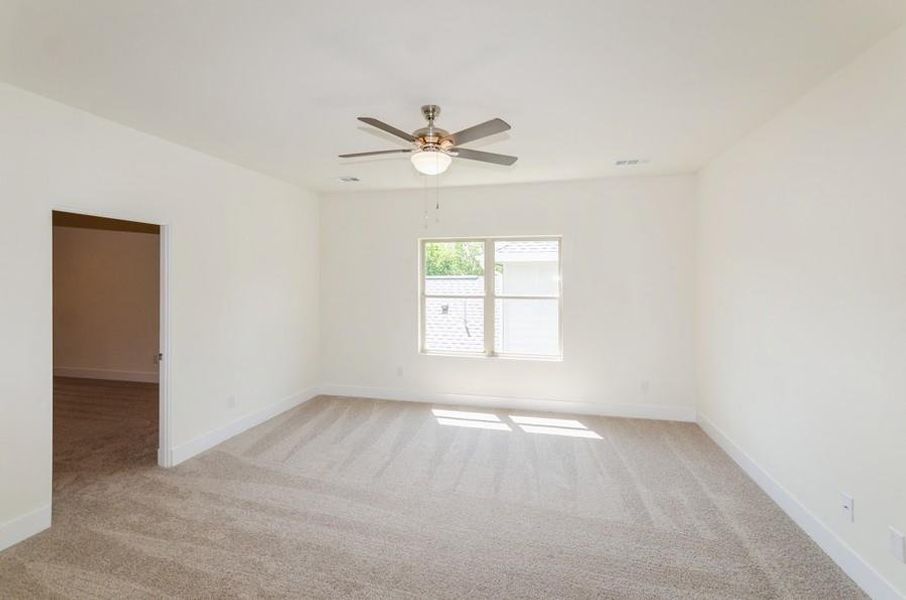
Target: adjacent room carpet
[354, 498]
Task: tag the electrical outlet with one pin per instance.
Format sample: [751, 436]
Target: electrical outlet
[898, 545]
[846, 505]
[399, 371]
[231, 401]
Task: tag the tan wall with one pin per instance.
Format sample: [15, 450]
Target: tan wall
[105, 303]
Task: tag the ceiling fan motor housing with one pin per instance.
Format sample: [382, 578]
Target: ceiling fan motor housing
[431, 138]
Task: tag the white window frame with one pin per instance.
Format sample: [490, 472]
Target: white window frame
[490, 296]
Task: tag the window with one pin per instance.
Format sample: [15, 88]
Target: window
[514, 312]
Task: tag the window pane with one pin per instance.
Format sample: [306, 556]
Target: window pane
[527, 268]
[454, 268]
[454, 324]
[454, 285]
[527, 327]
[454, 258]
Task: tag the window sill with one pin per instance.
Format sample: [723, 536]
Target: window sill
[481, 355]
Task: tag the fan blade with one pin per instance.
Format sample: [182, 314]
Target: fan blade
[491, 157]
[478, 131]
[388, 128]
[355, 154]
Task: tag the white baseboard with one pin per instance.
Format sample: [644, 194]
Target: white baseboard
[210, 439]
[872, 583]
[634, 411]
[14, 531]
[108, 374]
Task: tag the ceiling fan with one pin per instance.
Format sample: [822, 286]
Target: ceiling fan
[433, 149]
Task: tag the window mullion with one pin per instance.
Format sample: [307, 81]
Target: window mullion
[422, 270]
[489, 297]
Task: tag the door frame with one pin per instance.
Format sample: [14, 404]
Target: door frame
[164, 424]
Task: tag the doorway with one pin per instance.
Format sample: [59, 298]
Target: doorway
[109, 340]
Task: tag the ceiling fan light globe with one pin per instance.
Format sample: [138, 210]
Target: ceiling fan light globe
[430, 162]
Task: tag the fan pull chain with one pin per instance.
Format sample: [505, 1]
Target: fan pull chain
[425, 200]
[437, 198]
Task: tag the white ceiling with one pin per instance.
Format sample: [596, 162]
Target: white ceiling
[275, 85]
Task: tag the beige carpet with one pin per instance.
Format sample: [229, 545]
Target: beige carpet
[352, 498]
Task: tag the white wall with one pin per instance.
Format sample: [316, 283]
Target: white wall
[628, 260]
[803, 299]
[244, 267]
[106, 301]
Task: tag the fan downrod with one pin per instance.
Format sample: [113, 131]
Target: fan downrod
[430, 112]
